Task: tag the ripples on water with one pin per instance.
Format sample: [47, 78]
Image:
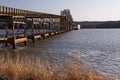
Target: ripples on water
[99, 48]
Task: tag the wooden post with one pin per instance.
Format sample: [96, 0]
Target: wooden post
[0, 10]
[25, 29]
[13, 36]
[33, 31]
[43, 26]
[67, 24]
[32, 27]
[6, 36]
[61, 24]
[6, 31]
[39, 27]
[14, 46]
[17, 30]
[25, 42]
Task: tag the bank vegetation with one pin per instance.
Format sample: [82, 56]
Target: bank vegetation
[34, 69]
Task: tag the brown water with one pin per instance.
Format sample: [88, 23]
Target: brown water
[98, 48]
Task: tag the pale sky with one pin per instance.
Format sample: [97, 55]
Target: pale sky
[81, 10]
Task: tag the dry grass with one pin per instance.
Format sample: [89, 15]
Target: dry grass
[25, 69]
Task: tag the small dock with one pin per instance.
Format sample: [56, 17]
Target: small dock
[19, 26]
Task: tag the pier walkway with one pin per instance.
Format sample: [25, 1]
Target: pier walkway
[17, 25]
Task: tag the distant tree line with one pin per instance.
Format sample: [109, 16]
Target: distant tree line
[98, 24]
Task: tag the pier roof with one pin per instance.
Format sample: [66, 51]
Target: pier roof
[16, 12]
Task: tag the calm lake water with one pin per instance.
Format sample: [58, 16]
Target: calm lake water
[98, 48]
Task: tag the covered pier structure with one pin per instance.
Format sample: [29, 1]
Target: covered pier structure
[17, 25]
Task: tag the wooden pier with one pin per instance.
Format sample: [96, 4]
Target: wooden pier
[17, 25]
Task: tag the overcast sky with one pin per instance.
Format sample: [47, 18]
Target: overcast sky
[81, 10]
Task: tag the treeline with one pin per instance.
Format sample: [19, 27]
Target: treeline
[98, 24]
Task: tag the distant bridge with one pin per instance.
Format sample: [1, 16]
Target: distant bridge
[17, 25]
